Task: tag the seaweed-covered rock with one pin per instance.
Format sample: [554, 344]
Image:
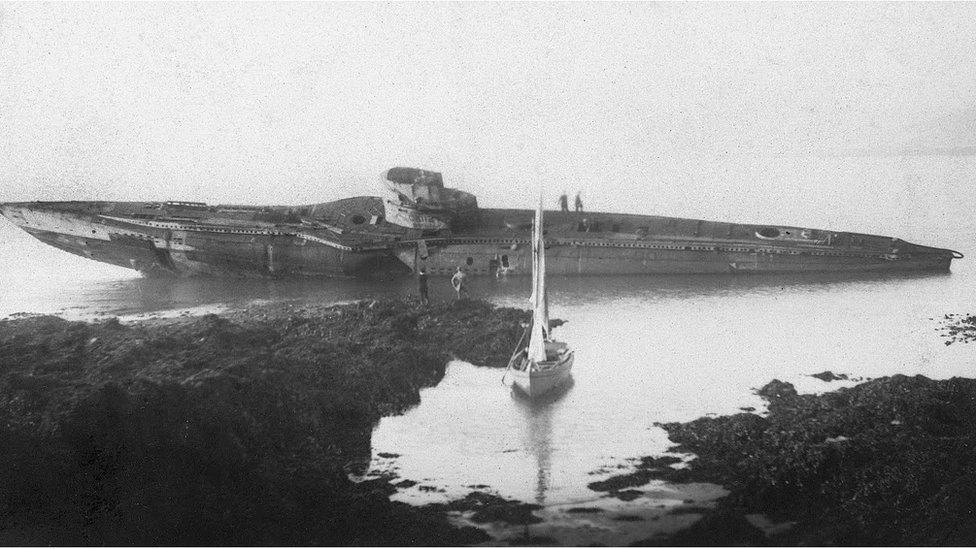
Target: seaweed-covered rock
[890, 461]
[720, 528]
[487, 507]
[827, 375]
[777, 390]
[957, 328]
[228, 429]
[648, 468]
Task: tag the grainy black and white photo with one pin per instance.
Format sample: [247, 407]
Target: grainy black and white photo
[504, 273]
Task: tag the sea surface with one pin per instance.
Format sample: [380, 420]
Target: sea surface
[648, 349]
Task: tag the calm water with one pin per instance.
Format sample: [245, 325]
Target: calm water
[648, 349]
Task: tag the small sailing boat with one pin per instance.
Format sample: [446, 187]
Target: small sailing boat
[543, 364]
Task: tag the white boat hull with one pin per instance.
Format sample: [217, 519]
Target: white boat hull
[539, 379]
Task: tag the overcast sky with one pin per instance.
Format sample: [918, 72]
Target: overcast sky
[299, 103]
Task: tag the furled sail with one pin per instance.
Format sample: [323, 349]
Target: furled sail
[540, 303]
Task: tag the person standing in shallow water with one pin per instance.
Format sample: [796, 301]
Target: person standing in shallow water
[457, 281]
[579, 203]
[563, 202]
[422, 283]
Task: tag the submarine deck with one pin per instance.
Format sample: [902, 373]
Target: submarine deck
[272, 238]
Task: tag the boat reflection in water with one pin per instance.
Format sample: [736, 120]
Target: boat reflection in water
[538, 432]
[537, 419]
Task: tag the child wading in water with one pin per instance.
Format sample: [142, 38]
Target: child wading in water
[457, 281]
[422, 282]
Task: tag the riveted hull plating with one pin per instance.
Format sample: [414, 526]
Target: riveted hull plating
[351, 237]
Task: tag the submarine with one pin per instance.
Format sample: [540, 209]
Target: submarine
[419, 223]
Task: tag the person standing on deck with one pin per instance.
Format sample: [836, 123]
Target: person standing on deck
[457, 281]
[563, 202]
[579, 203]
[422, 283]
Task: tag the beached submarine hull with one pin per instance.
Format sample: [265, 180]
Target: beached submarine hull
[373, 236]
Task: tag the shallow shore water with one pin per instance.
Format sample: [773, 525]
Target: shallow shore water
[651, 352]
[254, 426]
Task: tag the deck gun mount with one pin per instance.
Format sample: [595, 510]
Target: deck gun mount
[417, 199]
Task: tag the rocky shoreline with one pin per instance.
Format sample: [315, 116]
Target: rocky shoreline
[226, 429]
[234, 430]
[891, 461]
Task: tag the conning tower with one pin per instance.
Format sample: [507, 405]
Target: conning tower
[417, 199]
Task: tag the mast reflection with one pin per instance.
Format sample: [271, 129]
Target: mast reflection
[537, 417]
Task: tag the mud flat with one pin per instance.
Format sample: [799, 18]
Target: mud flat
[888, 462]
[229, 429]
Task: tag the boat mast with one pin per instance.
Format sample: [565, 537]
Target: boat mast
[541, 243]
[540, 303]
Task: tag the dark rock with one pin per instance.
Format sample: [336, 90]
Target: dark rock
[223, 429]
[532, 541]
[717, 529]
[902, 476]
[829, 376]
[491, 508]
[627, 495]
[618, 482]
[658, 461]
[648, 468]
[957, 328]
[584, 510]
[777, 390]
